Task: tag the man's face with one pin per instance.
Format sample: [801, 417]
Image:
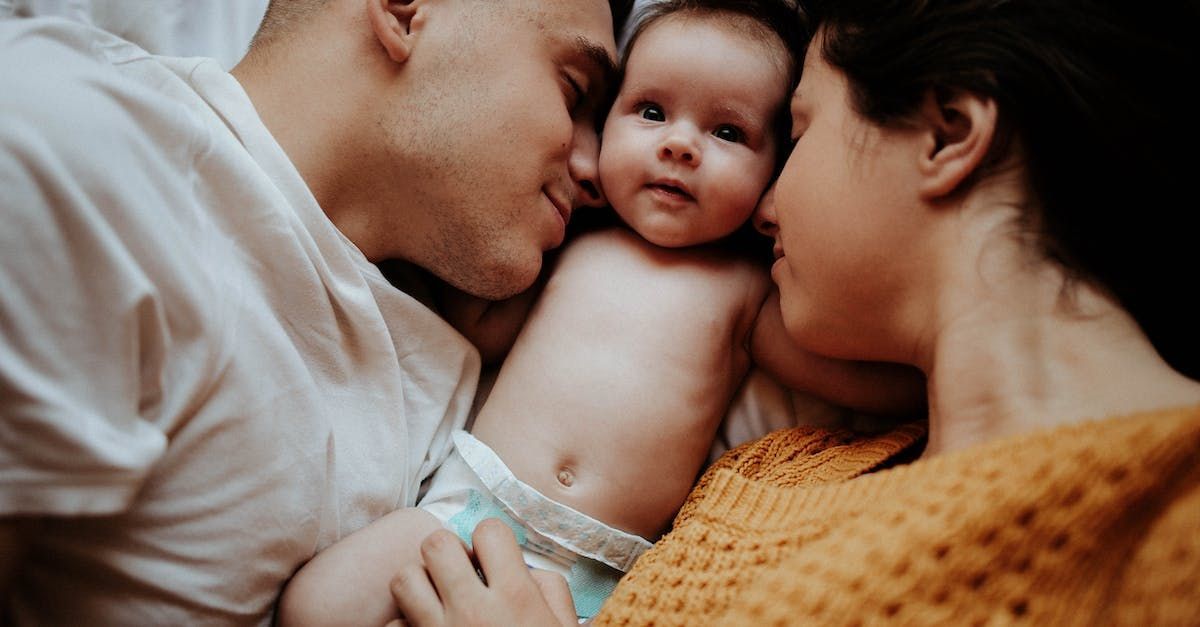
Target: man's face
[501, 136]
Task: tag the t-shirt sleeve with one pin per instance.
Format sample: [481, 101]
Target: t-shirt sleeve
[82, 330]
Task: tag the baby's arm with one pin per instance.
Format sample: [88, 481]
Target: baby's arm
[349, 582]
[872, 387]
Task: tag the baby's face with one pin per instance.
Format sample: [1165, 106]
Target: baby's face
[689, 145]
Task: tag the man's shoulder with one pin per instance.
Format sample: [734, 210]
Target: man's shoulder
[84, 110]
[71, 83]
[34, 47]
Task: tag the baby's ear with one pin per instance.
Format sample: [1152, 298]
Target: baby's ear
[396, 24]
[960, 127]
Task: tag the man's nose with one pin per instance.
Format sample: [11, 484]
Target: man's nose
[680, 145]
[583, 166]
[764, 214]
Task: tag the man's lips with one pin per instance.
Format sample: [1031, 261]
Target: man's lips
[672, 188]
[778, 251]
[563, 207]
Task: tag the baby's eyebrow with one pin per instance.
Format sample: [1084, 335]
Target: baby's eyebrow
[739, 117]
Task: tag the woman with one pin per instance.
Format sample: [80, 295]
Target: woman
[988, 190]
[985, 190]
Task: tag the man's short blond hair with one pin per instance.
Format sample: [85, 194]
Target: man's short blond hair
[282, 16]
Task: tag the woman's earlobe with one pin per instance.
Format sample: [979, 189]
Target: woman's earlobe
[392, 22]
[960, 126]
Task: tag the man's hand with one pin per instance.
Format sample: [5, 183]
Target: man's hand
[448, 590]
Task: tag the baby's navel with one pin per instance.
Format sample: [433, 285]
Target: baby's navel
[566, 477]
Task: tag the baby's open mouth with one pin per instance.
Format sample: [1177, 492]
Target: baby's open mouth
[672, 190]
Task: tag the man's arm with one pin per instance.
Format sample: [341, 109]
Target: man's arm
[872, 387]
[348, 583]
[394, 564]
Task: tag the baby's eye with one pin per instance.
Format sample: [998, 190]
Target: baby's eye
[729, 133]
[652, 112]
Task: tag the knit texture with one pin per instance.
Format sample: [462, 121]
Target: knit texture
[1093, 523]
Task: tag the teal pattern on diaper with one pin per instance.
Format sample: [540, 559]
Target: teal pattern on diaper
[591, 582]
[477, 510]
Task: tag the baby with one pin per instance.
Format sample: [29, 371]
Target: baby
[604, 411]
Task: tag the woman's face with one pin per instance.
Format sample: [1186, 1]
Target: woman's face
[846, 221]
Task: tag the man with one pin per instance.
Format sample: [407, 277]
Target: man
[204, 379]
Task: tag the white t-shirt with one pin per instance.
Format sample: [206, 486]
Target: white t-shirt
[202, 382]
[220, 29]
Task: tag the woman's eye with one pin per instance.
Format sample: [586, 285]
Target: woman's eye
[729, 133]
[652, 112]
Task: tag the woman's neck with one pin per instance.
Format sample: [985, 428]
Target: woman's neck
[1010, 346]
[1031, 356]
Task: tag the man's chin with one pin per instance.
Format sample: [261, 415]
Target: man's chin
[500, 283]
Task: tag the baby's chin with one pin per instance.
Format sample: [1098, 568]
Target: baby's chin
[663, 231]
[667, 238]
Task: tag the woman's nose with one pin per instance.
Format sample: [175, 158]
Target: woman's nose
[764, 214]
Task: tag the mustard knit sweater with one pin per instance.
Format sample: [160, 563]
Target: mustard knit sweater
[1095, 523]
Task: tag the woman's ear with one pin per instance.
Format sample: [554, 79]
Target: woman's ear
[392, 22]
[961, 126]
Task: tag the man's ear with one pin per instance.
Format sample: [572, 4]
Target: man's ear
[393, 21]
[961, 126]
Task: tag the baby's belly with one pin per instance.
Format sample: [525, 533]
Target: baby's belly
[611, 395]
[615, 439]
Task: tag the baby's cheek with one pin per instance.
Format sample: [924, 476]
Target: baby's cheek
[617, 174]
[742, 195]
[608, 165]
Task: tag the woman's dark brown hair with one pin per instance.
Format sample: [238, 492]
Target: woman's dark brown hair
[1092, 96]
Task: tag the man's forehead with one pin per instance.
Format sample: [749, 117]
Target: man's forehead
[583, 28]
[590, 19]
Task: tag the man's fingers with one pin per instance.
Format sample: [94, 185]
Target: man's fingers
[415, 598]
[497, 551]
[450, 568]
[557, 594]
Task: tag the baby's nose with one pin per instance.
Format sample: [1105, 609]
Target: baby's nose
[680, 147]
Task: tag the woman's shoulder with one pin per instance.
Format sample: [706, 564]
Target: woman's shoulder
[813, 455]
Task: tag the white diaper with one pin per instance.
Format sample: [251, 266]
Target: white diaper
[474, 484]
